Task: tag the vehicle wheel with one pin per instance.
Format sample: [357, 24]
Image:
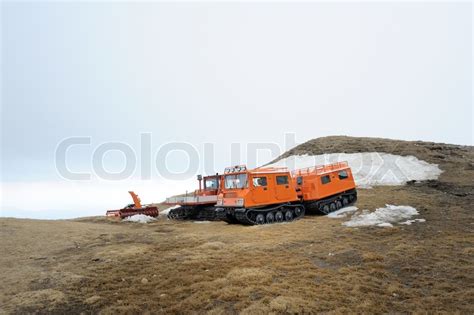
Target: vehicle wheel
[332, 207]
[289, 215]
[270, 217]
[338, 204]
[279, 216]
[298, 211]
[260, 219]
[345, 201]
[325, 209]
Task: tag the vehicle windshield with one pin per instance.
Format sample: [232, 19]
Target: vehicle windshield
[236, 181]
[211, 183]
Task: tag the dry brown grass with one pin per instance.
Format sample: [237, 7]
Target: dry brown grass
[313, 265]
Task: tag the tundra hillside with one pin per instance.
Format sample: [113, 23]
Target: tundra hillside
[315, 264]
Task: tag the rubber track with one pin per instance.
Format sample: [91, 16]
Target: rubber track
[317, 205]
[245, 217]
[194, 213]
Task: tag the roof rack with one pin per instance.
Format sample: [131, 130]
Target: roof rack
[320, 169]
[269, 169]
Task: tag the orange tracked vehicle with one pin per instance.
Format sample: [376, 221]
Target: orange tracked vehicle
[200, 204]
[268, 195]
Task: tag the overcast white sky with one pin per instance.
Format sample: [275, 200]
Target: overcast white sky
[219, 74]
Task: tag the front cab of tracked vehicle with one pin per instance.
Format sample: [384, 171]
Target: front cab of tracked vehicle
[211, 185]
[243, 188]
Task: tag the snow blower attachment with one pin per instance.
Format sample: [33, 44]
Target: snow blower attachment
[198, 205]
[135, 208]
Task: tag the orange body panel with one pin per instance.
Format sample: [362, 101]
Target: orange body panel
[271, 186]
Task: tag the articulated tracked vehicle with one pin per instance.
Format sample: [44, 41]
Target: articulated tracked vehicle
[268, 195]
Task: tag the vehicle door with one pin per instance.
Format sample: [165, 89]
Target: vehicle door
[260, 191]
[283, 187]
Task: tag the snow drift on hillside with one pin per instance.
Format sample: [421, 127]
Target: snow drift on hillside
[383, 217]
[140, 218]
[370, 168]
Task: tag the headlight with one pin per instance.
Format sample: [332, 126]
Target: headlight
[239, 201]
[219, 202]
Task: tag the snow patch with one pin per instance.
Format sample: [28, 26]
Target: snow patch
[409, 222]
[140, 218]
[166, 211]
[370, 168]
[341, 213]
[383, 217]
